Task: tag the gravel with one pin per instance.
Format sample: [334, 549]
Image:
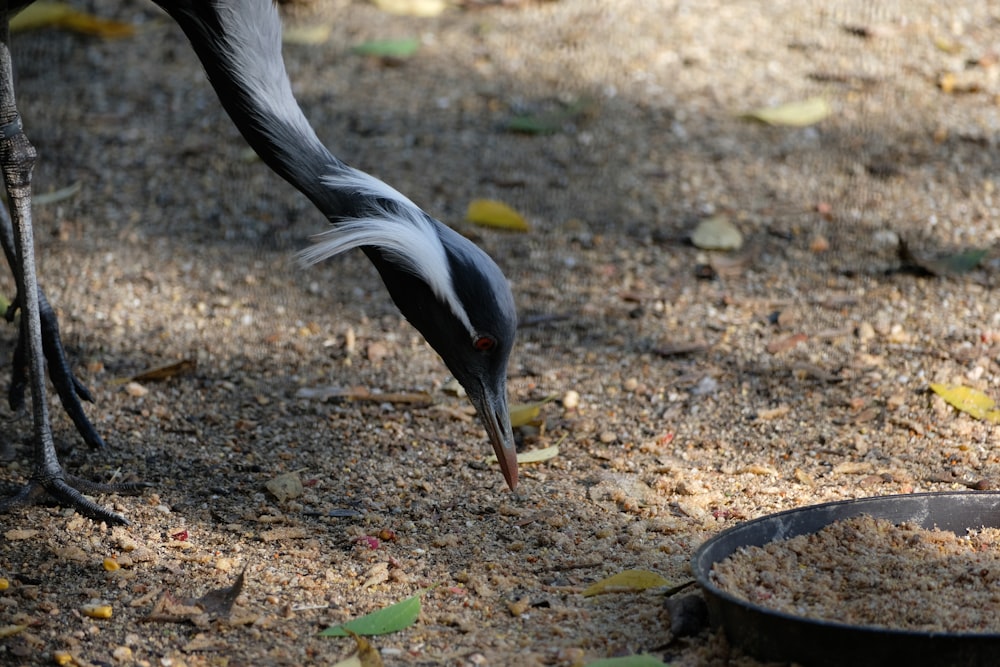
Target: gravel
[703, 389]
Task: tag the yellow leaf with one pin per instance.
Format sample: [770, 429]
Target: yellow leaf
[44, 14]
[534, 456]
[492, 213]
[629, 581]
[967, 400]
[793, 114]
[366, 655]
[524, 413]
[316, 33]
[423, 8]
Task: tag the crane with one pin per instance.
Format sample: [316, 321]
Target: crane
[448, 288]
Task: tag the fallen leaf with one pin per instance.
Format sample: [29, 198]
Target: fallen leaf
[628, 581]
[968, 400]
[395, 49]
[306, 34]
[365, 656]
[423, 8]
[219, 602]
[20, 534]
[161, 373]
[538, 455]
[642, 660]
[492, 213]
[393, 618]
[44, 14]
[214, 604]
[534, 456]
[945, 265]
[522, 414]
[793, 114]
[364, 394]
[550, 122]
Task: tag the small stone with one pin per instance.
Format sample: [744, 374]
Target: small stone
[135, 390]
[630, 384]
[286, 486]
[607, 437]
[717, 233]
[519, 607]
[571, 400]
[122, 654]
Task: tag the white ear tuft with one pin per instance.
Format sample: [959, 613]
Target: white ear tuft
[398, 228]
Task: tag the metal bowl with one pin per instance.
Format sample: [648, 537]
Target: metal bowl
[777, 636]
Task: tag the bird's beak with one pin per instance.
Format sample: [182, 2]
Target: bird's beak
[493, 412]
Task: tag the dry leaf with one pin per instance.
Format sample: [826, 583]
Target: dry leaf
[214, 604]
[165, 372]
[364, 394]
[793, 114]
[366, 655]
[492, 213]
[522, 414]
[20, 534]
[968, 400]
[44, 14]
[629, 581]
[424, 8]
[306, 34]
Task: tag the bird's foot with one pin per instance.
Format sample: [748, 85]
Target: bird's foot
[70, 390]
[67, 490]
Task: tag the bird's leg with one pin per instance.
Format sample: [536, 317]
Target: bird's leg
[17, 158]
[70, 390]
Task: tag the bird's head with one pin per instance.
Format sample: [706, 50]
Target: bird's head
[446, 286]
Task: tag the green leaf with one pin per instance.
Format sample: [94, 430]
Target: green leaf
[550, 122]
[388, 48]
[644, 660]
[393, 618]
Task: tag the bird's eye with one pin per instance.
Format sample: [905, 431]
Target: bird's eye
[484, 343]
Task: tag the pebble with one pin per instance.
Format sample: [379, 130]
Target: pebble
[135, 390]
[122, 654]
[717, 233]
[571, 400]
[607, 437]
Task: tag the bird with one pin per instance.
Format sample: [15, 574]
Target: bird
[447, 287]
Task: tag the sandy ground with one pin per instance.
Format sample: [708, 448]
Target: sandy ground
[713, 388]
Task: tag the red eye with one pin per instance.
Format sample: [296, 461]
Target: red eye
[484, 343]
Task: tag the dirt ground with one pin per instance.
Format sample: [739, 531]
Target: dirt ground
[713, 388]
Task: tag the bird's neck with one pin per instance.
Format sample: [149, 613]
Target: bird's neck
[239, 44]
